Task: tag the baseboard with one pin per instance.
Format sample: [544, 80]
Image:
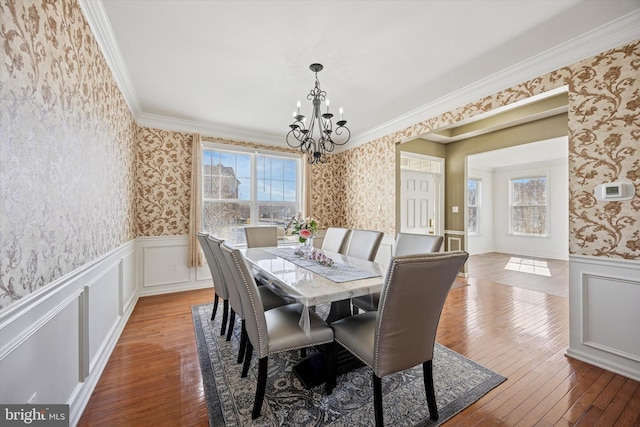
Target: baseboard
[604, 363]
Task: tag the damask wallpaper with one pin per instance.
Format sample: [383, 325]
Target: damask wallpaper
[79, 178]
[163, 182]
[604, 145]
[67, 153]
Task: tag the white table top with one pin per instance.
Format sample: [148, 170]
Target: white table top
[311, 288]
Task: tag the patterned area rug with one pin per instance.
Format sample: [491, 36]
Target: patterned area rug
[458, 382]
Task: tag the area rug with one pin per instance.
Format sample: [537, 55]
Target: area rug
[458, 382]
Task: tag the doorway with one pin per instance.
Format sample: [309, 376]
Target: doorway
[488, 223]
[421, 193]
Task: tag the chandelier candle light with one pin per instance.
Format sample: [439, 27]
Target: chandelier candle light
[300, 136]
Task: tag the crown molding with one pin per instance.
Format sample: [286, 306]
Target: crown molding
[96, 16]
[208, 129]
[613, 34]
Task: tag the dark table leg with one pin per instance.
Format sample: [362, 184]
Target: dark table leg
[311, 371]
[339, 310]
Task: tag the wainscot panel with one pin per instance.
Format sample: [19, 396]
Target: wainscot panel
[162, 266]
[604, 316]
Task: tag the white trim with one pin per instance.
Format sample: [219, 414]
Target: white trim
[103, 33]
[529, 176]
[614, 262]
[603, 362]
[253, 154]
[27, 333]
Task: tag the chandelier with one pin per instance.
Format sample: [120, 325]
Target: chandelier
[302, 136]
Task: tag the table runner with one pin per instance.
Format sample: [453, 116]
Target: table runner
[338, 272]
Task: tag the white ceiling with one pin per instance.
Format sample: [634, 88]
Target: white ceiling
[540, 151]
[235, 69]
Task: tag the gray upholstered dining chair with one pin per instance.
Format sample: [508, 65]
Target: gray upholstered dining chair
[219, 285]
[406, 244]
[268, 298]
[272, 331]
[402, 332]
[259, 237]
[363, 244]
[335, 239]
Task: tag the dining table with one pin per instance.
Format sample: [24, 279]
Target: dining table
[303, 279]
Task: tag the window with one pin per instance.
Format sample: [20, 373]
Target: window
[474, 187]
[528, 205]
[421, 164]
[246, 188]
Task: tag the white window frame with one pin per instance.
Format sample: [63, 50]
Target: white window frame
[253, 153]
[511, 204]
[477, 206]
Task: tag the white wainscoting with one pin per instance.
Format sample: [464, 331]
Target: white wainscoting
[56, 342]
[604, 301]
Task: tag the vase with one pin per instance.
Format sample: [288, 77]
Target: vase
[307, 246]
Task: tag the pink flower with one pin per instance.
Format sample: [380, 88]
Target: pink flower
[304, 233]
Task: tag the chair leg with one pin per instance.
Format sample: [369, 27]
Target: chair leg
[331, 355]
[225, 316]
[247, 359]
[215, 307]
[260, 388]
[243, 343]
[232, 319]
[427, 369]
[303, 352]
[377, 400]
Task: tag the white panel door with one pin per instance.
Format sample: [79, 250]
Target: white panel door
[420, 202]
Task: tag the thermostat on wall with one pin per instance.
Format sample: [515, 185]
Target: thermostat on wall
[614, 191]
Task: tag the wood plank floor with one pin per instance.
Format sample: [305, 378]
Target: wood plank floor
[153, 375]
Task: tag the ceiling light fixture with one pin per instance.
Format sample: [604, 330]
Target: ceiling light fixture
[300, 136]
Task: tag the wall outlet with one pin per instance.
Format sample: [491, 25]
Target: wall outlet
[32, 399]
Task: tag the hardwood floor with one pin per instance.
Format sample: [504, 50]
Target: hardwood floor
[550, 276]
[153, 376]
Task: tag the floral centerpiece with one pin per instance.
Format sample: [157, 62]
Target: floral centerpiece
[305, 228]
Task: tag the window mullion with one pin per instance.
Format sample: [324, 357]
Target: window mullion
[254, 189]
